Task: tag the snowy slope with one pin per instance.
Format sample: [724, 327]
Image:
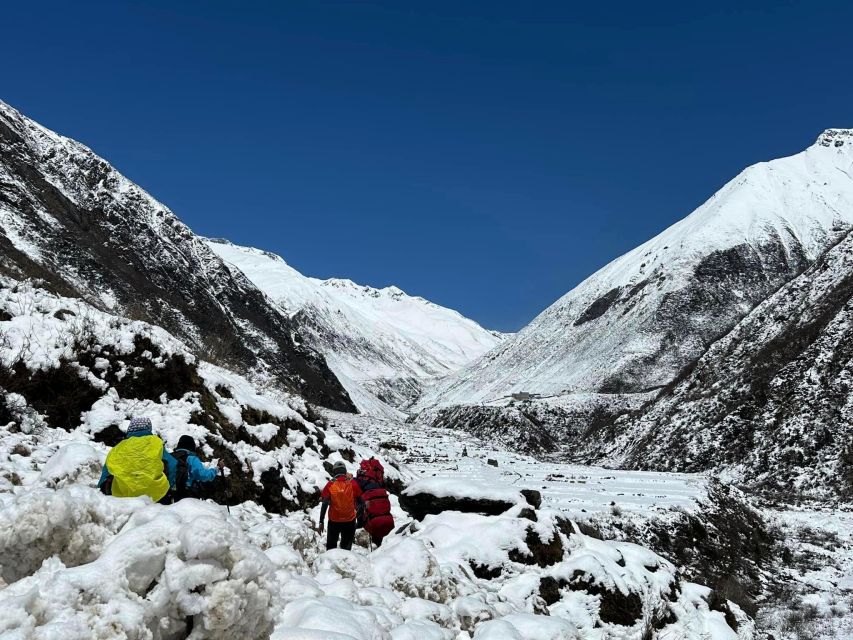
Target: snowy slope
[384, 345]
[71, 220]
[634, 324]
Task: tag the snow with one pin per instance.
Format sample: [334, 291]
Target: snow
[381, 343]
[68, 461]
[439, 455]
[525, 626]
[163, 566]
[77, 564]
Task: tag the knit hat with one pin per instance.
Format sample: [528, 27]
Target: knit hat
[186, 442]
[339, 468]
[139, 424]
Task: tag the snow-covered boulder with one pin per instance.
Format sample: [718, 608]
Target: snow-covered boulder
[439, 494]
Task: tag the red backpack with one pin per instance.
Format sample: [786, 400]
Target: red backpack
[373, 470]
[376, 516]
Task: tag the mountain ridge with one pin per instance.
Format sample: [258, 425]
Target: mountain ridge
[385, 345]
[70, 219]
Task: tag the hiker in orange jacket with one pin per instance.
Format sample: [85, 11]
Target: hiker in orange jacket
[340, 496]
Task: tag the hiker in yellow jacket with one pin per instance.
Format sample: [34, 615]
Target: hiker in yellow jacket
[139, 465]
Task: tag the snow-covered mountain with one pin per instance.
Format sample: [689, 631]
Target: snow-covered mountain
[771, 402]
[384, 346]
[71, 220]
[634, 325]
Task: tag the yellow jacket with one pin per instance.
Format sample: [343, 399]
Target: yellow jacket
[136, 465]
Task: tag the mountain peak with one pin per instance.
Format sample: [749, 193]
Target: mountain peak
[836, 138]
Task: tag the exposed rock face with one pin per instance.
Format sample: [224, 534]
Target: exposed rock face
[424, 498]
[770, 402]
[515, 427]
[543, 553]
[68, 218]
[725, 543]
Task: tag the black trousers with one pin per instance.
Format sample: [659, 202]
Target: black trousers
[344, 530]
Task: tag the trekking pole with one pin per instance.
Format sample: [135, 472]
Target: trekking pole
[225, 490]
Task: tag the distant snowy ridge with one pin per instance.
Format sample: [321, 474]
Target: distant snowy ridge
[383, 344]
[636, 323]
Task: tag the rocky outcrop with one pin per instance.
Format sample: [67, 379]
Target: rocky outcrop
[76, 369]
[426, 497]
[419, 505]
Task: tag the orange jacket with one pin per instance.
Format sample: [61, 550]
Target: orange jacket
[341, 494]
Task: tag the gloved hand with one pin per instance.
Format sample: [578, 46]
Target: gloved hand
[221, 464]
[322, 527]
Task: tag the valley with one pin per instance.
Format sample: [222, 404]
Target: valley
[663, 453]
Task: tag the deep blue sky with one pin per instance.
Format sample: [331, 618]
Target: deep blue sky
[485, 155]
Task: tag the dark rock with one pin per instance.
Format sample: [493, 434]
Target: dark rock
[667, 618]
[62, 314]
[718, 602]
[549, 590]
[110, 435]
[528, 514]
[492, 462]
[541, 553]
[616, 607]
[223, 391]
[419, 505]
[564, 526]
[589, 529]
[485, 572]
[533, 497]
[59, 394]
[19, 449]
[599, 307]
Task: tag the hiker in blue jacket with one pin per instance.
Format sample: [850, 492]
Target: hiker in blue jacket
[191, 474]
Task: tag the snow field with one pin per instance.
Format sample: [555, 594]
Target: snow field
[160, 566]
[78, 564]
